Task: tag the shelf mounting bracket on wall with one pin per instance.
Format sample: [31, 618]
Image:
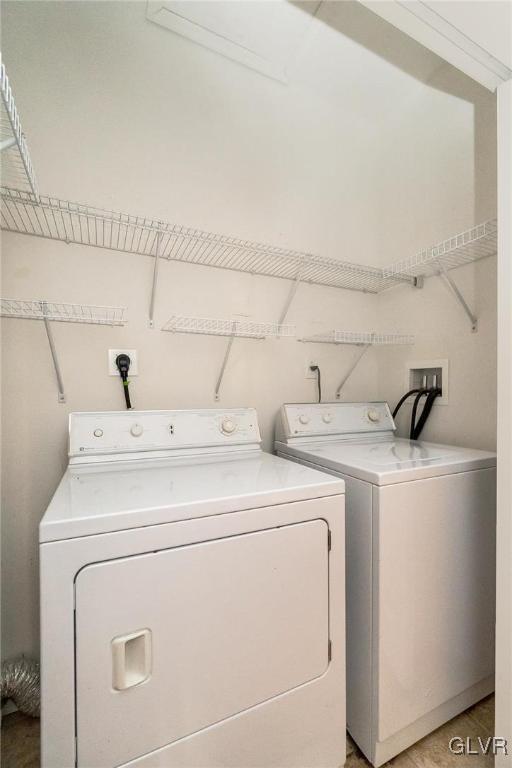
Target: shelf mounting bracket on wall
[225, 361]
[158, 241]
[291, 295]
[364, 349]
[211, 326]
[458, 295]
[364, 340]
[50, 311]
[53, 351]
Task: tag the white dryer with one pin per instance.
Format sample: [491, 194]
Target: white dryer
[192, 599]
[420, 556]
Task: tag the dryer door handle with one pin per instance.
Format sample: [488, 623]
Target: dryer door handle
[131, 659]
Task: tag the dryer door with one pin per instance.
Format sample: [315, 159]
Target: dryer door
[170, 642]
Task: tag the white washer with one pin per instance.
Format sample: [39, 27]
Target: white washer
[420, 538]
[192, 599]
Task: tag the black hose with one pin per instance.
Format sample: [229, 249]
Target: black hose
[403, 399]
[417, 399]
[432, 395]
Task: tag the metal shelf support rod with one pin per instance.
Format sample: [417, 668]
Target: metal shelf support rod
[155, 281]
[53, 351]
[291, 295]
[351, 370]
[458, 295]
[225, 361]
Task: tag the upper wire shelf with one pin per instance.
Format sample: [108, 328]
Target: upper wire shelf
[56, 219]
[210, 326]
[36, 309]
[469, 246]
[360, 338]
[17, 170]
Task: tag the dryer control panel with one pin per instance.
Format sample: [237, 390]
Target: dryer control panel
[320, 419]
[160, 433]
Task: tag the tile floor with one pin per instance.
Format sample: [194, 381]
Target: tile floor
[20, 743]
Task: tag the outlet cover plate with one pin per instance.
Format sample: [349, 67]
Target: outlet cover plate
[134, 363]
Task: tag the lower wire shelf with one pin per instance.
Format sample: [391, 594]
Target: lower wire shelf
[210, 326]
[38, 309]
[359, 338]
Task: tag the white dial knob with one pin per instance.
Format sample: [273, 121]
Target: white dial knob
[304, 418]
[373, 415]
[228, 426]
[327, 418]
[136, 430]
[98, 433]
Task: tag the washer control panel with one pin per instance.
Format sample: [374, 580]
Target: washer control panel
[120, 432]
[311, 419]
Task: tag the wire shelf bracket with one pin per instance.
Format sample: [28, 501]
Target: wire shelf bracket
[231, 329]
[58, 375]
[456, 292]
[35, 309]
[364, 340]
[155, 280]
[291, 295]
[469, 246]
[224, 363]
[17, 169]
[348, 374]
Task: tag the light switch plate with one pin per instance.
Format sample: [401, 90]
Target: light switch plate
[134, 364]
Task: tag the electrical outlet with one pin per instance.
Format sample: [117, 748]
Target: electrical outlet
[309, 373]
[112, 367]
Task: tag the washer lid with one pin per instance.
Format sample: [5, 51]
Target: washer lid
[396, 460]
[115, 496]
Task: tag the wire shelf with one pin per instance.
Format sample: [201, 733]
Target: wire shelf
[36, 309]
[17, 170]
[76, 223]
[469, 246]
[360, 338]
[209, 326]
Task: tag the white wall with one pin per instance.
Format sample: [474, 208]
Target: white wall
[504, 526]
[365, 155]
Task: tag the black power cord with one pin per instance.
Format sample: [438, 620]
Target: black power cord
[123, 365]
[317, 369]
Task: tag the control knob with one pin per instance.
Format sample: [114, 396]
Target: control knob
[304, 418]
[136, 430]
[327, 418]
[228, 426]
[373, 415]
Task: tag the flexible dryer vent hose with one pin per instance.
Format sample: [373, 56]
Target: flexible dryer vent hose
[19, 681]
